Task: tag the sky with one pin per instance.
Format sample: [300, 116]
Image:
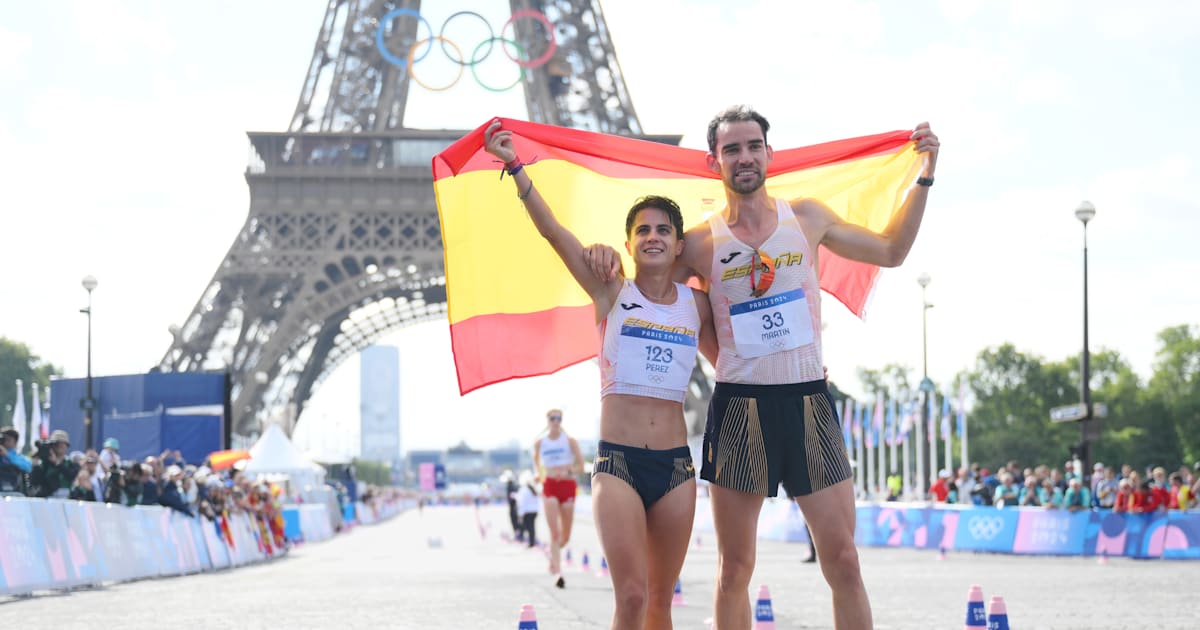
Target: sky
[123, 152]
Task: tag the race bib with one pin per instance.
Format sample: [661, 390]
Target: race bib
[771, 324]
[655, 358]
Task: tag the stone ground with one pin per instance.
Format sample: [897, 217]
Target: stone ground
[432, 569]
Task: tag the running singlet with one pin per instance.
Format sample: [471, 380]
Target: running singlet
[556, 452]
[772, 338]
[649, 349]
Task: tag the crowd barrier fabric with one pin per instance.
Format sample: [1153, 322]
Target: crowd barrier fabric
[1026, 531]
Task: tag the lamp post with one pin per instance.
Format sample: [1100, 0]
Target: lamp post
[1085, 212]
[926, 391]
[88, 404]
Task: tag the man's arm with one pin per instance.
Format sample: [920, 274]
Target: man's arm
[890, 247]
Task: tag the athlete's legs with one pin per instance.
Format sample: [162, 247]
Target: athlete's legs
[735, 516]
[830, 516]
[619, 516]
[668, 524]
[553, 520]
[567, 516]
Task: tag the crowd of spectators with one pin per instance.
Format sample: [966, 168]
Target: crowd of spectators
[1124, 490]
[54, 471]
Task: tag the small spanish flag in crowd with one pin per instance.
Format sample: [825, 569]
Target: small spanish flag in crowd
[514, 308]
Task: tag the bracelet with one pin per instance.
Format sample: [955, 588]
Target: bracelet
[528, 189]
[925, 181]
[514, 170]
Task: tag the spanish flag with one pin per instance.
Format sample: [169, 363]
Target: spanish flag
[514, 309]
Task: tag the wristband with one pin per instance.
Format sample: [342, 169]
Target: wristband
[925, 181]
[528, 189]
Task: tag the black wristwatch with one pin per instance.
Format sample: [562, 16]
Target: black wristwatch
[925, 181]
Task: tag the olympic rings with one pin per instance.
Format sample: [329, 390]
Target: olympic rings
[387, 54]
[541, 17]
[478, 54]
[413, 75]
[492, 42]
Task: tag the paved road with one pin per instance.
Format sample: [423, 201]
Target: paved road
[390, 576]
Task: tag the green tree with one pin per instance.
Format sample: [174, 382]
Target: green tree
[18, 362]
[1013, 395]
[1175, 387]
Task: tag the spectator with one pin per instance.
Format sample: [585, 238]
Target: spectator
[1051, 495]
[134, 484]
[152, 470]
[54, 474]
[1031, 493]
[14, 467]
[1107, 488]
[1159, 477]
[939, 490]
[109, 457]
[170, 495]
[91, 465]
[1178, 493]
[1124, 500]
[82, 489]
[1077, 496]
[966, 486]
[527, 505]
[1007, 493]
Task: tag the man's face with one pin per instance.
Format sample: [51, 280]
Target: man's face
[742, 156]
[9, 441]
[60, 448]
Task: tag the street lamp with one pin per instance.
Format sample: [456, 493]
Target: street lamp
[926, 390]
[1085, 212]
[88, 404]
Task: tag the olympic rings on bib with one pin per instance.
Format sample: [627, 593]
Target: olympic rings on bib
[454, 54]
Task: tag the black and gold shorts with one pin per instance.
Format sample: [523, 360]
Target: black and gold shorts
[758, 436]
[651, 473]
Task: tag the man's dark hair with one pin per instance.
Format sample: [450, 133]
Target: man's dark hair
[662, 203]
[736, 113]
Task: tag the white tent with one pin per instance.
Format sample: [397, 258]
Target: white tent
[275, 453]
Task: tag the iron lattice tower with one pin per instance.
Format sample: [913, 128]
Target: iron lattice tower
[342, 243]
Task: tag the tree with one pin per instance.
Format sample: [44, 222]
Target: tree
[18, 362]
[1175, 386]
[1010, 420]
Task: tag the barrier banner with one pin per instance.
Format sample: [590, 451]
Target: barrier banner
[152, 553]
[84, 550]
[22, 552]
[195, 533]
[218, 551]
[114, 529]
[1030, 530]
[50, 522]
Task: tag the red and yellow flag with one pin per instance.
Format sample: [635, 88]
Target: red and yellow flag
[514, 308]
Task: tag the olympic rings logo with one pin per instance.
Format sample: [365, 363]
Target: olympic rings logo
[420, 49]
[985, 528]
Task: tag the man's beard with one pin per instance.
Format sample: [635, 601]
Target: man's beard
[745, 188]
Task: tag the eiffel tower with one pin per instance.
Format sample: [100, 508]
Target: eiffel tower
[342, 243]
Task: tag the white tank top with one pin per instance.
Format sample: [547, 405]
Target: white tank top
[556, 452]
[649, 349]
[773, 338]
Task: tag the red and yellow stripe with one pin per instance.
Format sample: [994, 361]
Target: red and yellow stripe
[514, 309]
